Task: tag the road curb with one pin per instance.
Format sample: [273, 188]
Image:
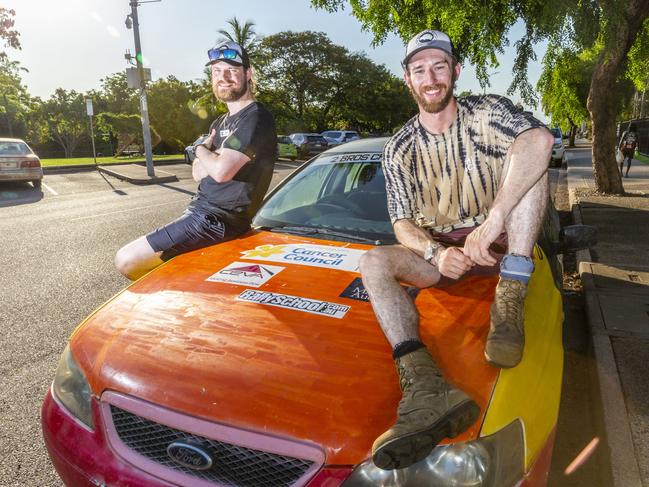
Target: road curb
[92, 167]
[613, 416]
[137, 175]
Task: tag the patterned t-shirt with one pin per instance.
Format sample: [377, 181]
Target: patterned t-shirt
[449, 181]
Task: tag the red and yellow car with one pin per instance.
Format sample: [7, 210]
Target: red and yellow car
[259, 362]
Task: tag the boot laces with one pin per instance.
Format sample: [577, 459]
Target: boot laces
[510, 302]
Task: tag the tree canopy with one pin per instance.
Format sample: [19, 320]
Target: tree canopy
[479, 33]
[8, 34]
[312, 84]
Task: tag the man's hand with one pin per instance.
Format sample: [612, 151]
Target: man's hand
[451, 262]
[476, 245]
[209, 141]
[198, 171]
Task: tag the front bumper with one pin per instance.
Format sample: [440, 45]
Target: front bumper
[83, 457]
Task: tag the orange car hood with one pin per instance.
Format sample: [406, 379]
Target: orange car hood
[188, 344]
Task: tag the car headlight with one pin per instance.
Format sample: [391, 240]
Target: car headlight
[71, 388]
[492, 461]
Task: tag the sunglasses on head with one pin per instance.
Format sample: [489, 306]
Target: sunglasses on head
[222, 53]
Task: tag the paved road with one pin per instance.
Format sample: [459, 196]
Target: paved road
[56, 266]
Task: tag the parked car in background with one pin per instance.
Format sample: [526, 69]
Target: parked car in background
[19, 163]
[337, 137]
[309, 144]
[286, 148]
[558, 149]
[189, 153]
[259, 361]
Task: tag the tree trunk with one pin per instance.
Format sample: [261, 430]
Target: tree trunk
[572, 134]
[602, 99]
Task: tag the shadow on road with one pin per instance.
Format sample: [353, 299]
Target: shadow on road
[115, 190]
[14, 194]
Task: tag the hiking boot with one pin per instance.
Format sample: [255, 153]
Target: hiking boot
[430, 410]
[506, 338]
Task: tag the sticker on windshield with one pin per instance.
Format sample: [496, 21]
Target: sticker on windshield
[358, 157]
[245, 274]
[313, 306]
[324, 256]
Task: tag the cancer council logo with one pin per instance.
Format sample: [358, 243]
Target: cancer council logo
[264, 251]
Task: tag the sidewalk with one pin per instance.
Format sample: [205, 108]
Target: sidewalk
[615, 278]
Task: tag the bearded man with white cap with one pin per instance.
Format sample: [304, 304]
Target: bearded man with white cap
[467, 190]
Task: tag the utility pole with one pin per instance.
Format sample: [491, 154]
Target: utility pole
[8, 115]
[132, 20]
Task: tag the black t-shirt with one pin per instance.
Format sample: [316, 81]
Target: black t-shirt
[252, 132]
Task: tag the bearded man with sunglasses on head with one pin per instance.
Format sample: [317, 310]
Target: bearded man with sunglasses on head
[233, 166]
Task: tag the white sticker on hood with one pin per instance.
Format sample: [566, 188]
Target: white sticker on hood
[325, 256]
[245, 274]
[314, 306]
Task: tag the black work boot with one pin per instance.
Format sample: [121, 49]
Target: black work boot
[506, 339]
[430, 410]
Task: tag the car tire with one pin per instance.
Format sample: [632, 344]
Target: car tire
[37, 183]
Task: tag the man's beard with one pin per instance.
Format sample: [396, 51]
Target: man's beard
[231, 94]
[433, 106]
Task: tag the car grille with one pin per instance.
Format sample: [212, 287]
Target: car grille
[232, 465]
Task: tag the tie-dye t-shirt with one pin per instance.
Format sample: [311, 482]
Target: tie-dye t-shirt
[450, 180]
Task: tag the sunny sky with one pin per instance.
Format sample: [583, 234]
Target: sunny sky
[74, 43]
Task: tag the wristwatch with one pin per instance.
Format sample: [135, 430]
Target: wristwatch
[194, 147]
[431, 252]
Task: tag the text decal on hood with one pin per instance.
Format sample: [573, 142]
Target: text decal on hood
[323, 308]
[307, 254]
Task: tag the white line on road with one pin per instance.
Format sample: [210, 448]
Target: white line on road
[50, 189]
[127, 210]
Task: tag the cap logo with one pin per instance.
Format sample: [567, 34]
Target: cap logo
[426, 37]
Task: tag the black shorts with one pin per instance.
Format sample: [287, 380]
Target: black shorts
[192, 231]
[456, 238]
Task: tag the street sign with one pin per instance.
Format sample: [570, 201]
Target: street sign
[89, 107]
[132, 78]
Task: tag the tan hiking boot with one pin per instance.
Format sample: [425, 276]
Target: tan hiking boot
[430, 410]
[506, 338]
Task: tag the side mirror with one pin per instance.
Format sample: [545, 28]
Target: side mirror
[576, 237]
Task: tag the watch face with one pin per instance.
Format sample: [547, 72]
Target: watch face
[428, 253]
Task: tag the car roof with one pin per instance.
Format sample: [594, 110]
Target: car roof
[375, 144]
[7, 139]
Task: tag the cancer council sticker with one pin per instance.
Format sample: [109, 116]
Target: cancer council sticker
[307, 254]
[245, 274]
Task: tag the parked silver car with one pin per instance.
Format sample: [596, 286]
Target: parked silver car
[558, 149]
[337, 137]
[309, 144]
[19, 163]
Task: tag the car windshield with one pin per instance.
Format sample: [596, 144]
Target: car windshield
[556, 133]
[14, 148]
[337, 197]
[315, 138]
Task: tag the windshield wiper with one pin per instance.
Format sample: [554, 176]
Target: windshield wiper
[298, 230]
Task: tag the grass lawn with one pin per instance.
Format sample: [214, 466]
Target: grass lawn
[641, 158]
[104, 160]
